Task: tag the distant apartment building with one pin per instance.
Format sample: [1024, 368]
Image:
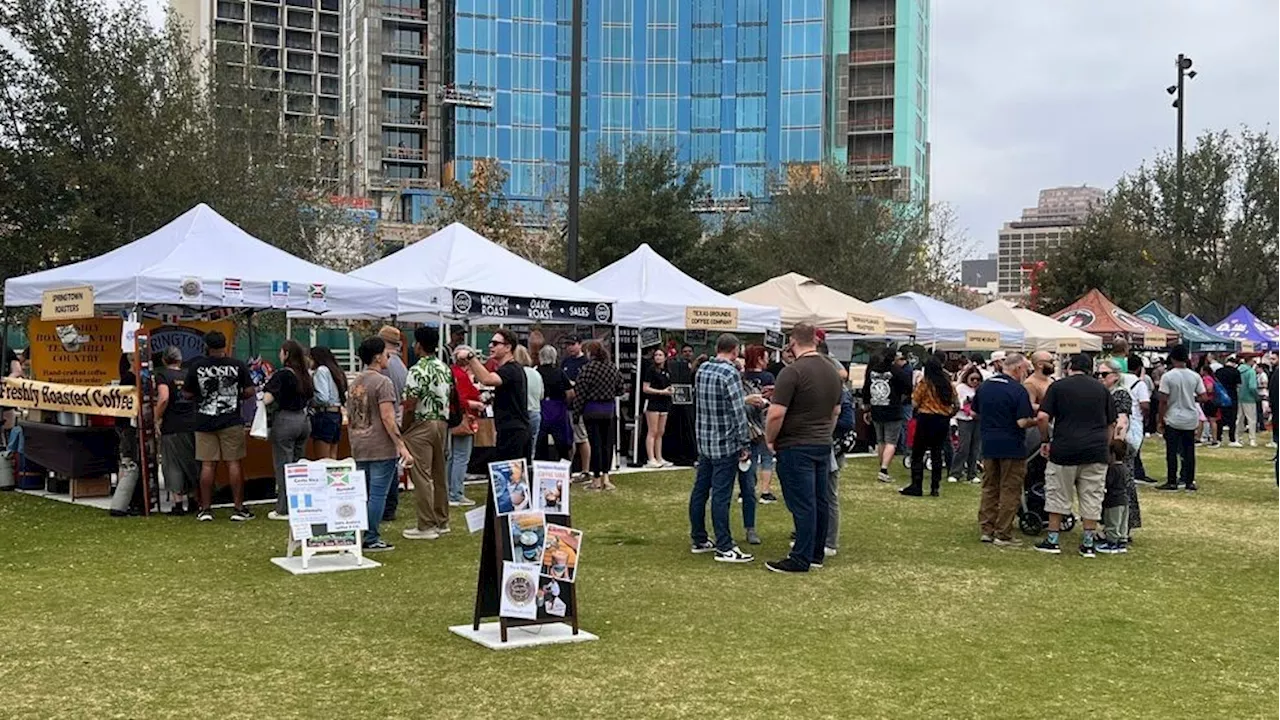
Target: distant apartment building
[979, 275]
[1024, 243]
[288, 51]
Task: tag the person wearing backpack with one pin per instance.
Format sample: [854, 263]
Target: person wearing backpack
[842, 440]
[430, 401]
[1228, 391]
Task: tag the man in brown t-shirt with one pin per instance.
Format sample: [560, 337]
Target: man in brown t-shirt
[375, 436]
[802, 415]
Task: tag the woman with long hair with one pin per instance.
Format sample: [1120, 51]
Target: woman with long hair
[656, 387]
[1209, 406]
[933, 401]
[287, 395]
[759, 381]
[330, 387]
[964, 466]
[599, 385]
[555, 425]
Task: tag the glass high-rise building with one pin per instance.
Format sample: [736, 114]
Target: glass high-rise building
[748, 87]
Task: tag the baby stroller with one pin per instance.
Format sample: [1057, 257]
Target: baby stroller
[1032, 517]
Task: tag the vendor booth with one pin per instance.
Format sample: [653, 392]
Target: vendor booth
[802, 299]
[1040, 332]
[1196, 338]
[1095, 313]
[653, 294]
[1253, 334]
[165, 288]
[941, 326]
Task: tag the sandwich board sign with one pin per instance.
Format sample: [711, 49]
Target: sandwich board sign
[328, 514]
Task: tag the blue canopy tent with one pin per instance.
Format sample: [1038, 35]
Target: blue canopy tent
[1253, 334]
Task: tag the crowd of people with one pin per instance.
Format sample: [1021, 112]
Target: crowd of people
[1079, 429]
[418, 420]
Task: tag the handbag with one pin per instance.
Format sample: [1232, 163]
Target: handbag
[259, 427]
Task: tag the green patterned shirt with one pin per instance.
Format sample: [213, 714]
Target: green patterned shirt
[428, 383]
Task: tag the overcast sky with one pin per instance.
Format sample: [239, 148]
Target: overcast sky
[1029, 94]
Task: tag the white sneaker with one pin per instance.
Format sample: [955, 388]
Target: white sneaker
[273, 515]
[1253, 443]
[653, 464]
[668, 463]
[828, 551]
[1271, 444]
[416, 534]
[464, 502]
[952, 479]
[1234, 444]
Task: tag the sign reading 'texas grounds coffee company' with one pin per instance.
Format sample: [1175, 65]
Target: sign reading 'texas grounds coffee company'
[710, 318]
[111, 400]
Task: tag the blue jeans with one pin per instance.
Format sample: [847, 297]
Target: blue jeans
[378, 477]
[714, 478]
[747, 488]
[459, 456]
[804, 471]
[535, 422]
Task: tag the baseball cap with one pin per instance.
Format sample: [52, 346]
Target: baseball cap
[389, 334]
[998, 355]
[819, 334]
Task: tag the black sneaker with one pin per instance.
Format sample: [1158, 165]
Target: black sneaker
[1048, 546]
[1146, 480]
[379, 546]
[1190, 487]
[785, 565]
[1086, 551]
[177, 510]
[242, 515]
[205, 516]
[1109, 548]
[705, 546]
[734, 555]
[768, 498]
[911, 491]
[1169, 486]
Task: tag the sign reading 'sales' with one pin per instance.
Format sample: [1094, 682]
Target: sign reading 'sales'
[111, 400]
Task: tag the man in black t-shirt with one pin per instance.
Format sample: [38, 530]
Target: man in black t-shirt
[510, 403]
[1228, 376]
[572, 364]
[217, 383]
[1084, 419]
[176, 417]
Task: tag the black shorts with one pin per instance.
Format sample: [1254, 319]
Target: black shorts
[326, 427]
[658, 405]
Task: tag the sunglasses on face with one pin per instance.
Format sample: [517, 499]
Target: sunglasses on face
[496, 342]
[1102, 374]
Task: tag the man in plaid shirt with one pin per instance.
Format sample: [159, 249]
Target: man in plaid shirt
[721, 427]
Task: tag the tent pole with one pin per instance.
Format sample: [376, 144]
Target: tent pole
[288, 327]
[4, 347]
[252, 340]
[635, 436]
[617, 402]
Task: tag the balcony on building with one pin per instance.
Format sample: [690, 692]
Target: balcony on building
[407, 119]
[871, 124]
[873, 56]
[391, 81]
[410, 11]
[230, 10]
[405, 49]
[402, 153]
[873, 21]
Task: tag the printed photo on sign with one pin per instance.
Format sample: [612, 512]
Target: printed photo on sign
[528, 537]
[551, 487]
[549, 600]
[510, 482]
[519, 591]
[562, 552]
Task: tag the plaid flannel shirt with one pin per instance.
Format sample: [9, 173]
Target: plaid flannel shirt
[721, 417]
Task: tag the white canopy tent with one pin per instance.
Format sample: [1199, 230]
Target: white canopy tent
[803, 299]
[1041, 331]
[458, 273]
[946, 327]
[653, 293]
[201, 259]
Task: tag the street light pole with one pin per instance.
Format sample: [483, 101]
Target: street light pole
[1184, 65]
[575, 139]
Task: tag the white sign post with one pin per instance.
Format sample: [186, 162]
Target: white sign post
[331, 494]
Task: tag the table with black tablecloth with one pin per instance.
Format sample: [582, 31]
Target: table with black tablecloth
[72, 452]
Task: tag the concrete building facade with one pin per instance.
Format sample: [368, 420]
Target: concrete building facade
[1025, 242]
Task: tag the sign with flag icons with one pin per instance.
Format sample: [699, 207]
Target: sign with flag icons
[279, 294]
[316, 301]
[232, 289]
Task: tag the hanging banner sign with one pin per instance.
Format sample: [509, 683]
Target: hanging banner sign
[87, 352]
[1246, 346]
[513, 307]
[1068, 347]
[1153, 339]
[696, 338]
[864, 324]
[650, 337]
[774, 340]
[981, 340]
[74, 303]
[111, 400]
[711, 318]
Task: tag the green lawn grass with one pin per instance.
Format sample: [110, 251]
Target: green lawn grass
[164, 617]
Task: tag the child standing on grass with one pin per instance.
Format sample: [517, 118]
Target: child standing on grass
[1115, 503]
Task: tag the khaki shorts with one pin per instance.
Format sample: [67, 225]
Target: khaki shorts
[225, 444]
[1088, 482]
[579, 430]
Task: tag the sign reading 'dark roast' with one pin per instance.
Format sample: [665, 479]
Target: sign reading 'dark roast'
[711, 318]
[1068, 347]
[73, 303]
[864, 324]
[112, 400]
[981, 340]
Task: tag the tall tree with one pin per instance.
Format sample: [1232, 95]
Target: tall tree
[482, 205]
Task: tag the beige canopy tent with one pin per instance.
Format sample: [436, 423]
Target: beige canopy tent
[1041, 332]
[803, 299]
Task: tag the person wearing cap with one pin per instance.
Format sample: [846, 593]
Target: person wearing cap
[1228, 376]
[1084, 417]
[572, 364]
[997, 363]
[395, 371]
